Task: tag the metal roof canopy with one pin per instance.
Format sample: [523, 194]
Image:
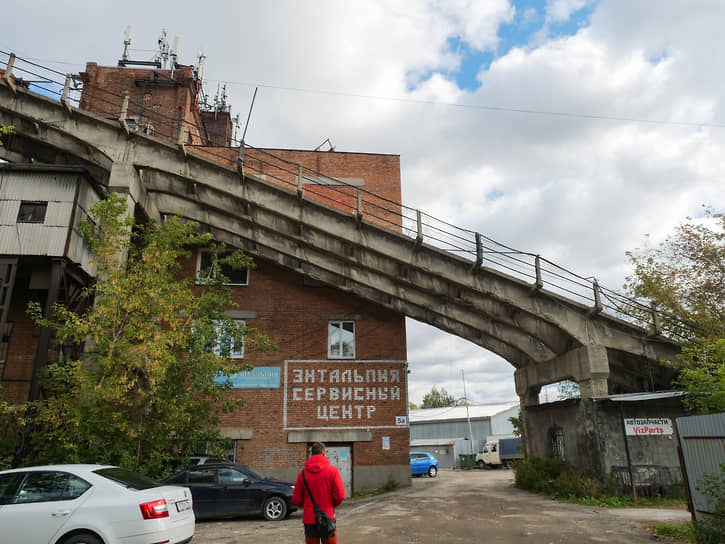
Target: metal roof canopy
[639, 397]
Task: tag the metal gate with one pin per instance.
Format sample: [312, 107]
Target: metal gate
[702, 447]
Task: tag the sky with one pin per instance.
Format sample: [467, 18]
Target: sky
[573, 129]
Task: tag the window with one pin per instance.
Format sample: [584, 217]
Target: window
[230, 476]
[44, 486]
[202, 476]
[341, 339]
[207, 262]
[229, 346]
[32, 212]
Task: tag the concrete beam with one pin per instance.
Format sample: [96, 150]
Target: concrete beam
[586, 365]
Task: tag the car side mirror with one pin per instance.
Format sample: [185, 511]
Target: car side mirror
[246, 482]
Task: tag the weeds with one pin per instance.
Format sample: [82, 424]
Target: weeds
[556, 478]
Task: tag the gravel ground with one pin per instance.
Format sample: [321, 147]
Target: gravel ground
[458, 506]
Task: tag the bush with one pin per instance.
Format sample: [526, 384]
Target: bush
[711, 530]
[539, 475]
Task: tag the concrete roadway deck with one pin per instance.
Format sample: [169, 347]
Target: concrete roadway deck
[458, 506]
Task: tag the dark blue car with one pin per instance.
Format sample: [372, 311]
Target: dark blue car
[227, 490]
[422, 462]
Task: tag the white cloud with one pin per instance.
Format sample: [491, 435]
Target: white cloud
[578, 190]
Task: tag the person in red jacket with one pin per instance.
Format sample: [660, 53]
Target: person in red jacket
[325, 485]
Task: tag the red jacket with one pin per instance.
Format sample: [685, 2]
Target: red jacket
[325, 485]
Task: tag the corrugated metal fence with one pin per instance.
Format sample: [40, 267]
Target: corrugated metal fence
[702, 447]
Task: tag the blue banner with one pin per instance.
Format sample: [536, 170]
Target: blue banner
[260, 377]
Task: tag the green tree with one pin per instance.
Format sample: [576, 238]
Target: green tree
[438, 399]
[152, 378]
[4, 131]
[685, 277]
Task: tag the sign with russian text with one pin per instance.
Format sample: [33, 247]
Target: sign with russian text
[260, 377]
[648, 426]
[344, 395]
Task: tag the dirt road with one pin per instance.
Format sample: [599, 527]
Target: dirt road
[458, 506]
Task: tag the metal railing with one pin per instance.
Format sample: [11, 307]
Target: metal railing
[421, 227]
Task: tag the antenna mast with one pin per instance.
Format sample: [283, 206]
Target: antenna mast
[126, 43]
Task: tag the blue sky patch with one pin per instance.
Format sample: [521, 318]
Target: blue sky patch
[530, 19]
[494, 195]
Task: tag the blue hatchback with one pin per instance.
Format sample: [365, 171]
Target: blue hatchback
[422, 462]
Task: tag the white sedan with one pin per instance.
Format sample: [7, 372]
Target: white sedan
[91, 504]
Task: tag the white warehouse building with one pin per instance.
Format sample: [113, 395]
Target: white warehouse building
[448, 432]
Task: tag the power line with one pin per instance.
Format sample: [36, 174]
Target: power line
[482, 107]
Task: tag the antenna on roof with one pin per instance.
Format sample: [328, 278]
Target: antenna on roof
[126, 43]
[236, 122]
[174, 55]
[163, 55]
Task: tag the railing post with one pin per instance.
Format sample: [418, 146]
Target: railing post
[479, 252]
[656, 324]
[597, 298]
[182, 132]
[64, 95]
[359, 215]
[537, 265]
[419, 235]
[8, 75]
[300, 187]
[124, 112]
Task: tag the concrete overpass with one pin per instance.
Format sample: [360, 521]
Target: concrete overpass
[545, 336]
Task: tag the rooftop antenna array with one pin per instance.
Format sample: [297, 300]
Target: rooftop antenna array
[162, 56]
[126, 43]
[174, 55]
[200, 83]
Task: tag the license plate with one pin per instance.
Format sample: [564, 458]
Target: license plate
[181, 506]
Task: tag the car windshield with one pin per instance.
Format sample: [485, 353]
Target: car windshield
[249, 472]
[127, 478]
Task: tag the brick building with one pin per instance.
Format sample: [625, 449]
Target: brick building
[340, 374]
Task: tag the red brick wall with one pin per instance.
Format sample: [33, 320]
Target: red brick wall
[296, 317]
[381, 193]
[155, 97]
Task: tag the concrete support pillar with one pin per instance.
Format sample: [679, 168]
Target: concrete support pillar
[125, 179]
[528, 396]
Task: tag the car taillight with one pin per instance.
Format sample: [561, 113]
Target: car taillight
[154, 510]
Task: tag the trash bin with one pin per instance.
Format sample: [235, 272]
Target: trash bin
[468, 460]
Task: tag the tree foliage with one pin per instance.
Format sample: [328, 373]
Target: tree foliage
[685, 277]
[438, 399]
[151, 379]
[4, 131]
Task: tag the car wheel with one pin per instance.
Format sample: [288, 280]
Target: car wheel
[275, 509]
[83, 538]
[480, 464]
[433, 472]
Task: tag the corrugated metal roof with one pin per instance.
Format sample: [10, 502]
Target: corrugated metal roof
[459, 412]
[638, 397]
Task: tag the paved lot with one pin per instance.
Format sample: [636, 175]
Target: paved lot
[457, 506]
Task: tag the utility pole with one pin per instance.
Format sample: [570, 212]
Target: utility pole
[468, 416]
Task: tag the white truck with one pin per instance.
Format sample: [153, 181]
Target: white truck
[499, 451]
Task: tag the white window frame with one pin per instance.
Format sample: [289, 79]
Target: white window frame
[339, 341]
[199, 280]
[233, 354]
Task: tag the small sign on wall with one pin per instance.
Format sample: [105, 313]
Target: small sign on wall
[648, 426]
[386, 442]
[401, 420]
